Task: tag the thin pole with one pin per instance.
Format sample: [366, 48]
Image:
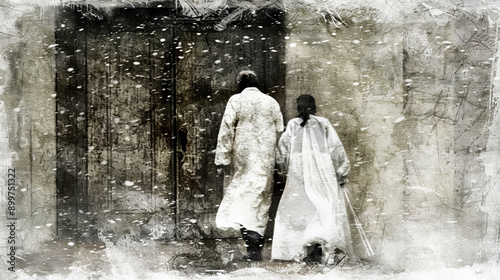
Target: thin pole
[364, 239]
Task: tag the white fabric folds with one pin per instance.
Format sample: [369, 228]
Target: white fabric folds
[247, 140]
[312, 208]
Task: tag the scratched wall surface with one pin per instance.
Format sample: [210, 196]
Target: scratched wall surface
[411, 88]
[412, 103]
[28, 96]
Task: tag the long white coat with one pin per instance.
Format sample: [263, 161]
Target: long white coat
[247, 141]
[311, 209]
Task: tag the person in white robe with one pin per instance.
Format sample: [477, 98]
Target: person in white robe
[311, 221]
[247, 139]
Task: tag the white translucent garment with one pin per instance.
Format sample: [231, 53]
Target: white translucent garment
[247, 142]
[312, 208]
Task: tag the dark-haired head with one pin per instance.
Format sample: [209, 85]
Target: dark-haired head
[305, 106]
[246, 79]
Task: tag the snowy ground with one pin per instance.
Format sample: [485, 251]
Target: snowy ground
[190, 260]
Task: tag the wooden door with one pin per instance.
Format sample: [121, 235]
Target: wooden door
[206, 78]
[114, 153]
[142, 93]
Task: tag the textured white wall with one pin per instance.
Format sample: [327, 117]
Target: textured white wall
[411, 101]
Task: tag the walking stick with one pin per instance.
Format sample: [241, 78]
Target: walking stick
[364, 239]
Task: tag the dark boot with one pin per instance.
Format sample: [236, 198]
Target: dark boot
[255, 243]
[315, 255]
[253, 255]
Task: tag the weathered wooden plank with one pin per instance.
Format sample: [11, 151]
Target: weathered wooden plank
[162, 120]
[71, 122]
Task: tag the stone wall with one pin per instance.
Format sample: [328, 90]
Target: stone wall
[29, 99]
[411, 102]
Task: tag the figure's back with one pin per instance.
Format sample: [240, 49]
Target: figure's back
[258, 120]
[314, 133]
[257, 111]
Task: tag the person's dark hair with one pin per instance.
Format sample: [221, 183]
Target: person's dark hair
[305, 106]
[246, 79]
